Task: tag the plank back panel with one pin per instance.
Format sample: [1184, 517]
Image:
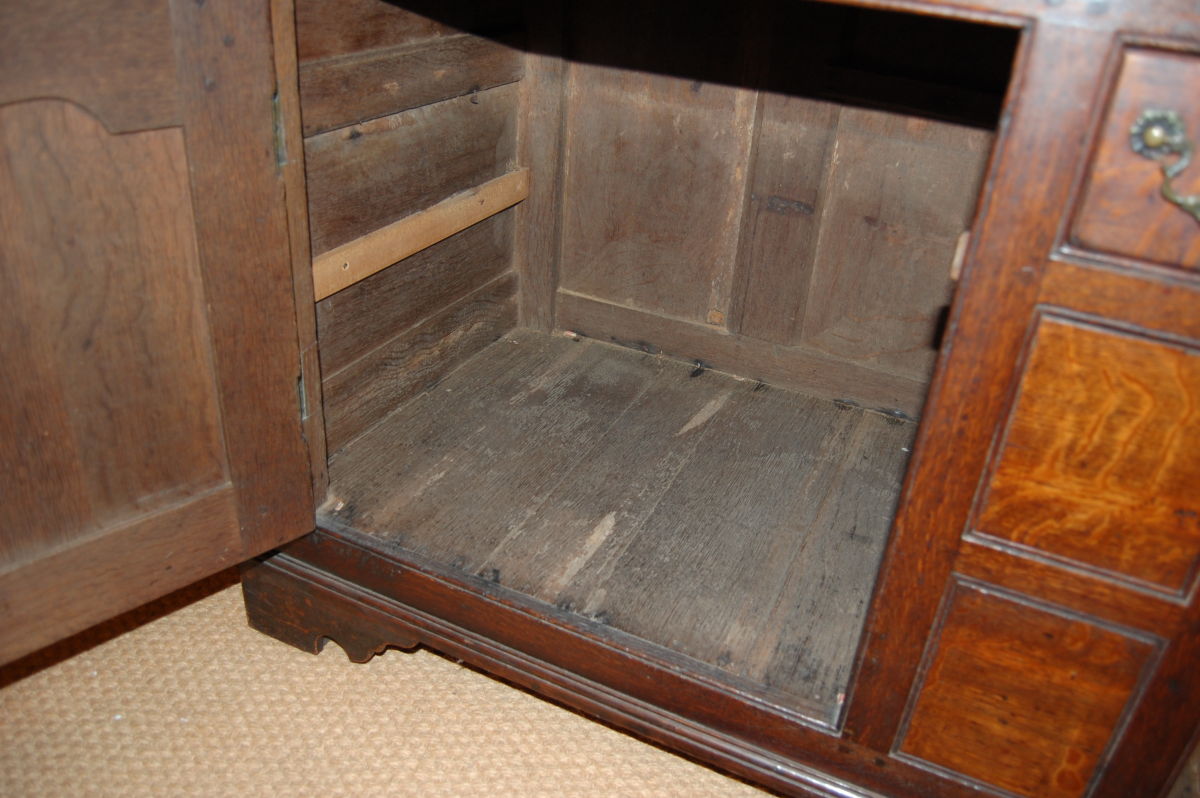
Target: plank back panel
[357, 182]
[654, 183]
[109, 293]
[1098, 465]
[900, 191]
[1023, 698]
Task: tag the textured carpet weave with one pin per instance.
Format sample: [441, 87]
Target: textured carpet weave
[196, 703]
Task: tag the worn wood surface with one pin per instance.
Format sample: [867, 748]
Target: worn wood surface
[988, 323]
[366, 390]
[704, 514]
[1099, 460]
[350, 89]
[112, 57]
[1123, 211]
[358, 184]
[802, 370]
[291, 159]
[357, 260]
[787, 193]
[653, 190]
[105, 309]
[1021, 698]
[900, 190]
[355, 321]
[227, 82]
[540, 149]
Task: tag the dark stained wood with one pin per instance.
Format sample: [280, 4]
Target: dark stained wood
[1123, 211]
[369, 388]
[351, 89]
[1187, 784]
[601, 671]
[787, 195]
[116, 287]
[1150, 301]
[1022, 698]
[283, 31]
[357, 183]
[540, 149]
[1037, 153]
[808, 372]
[899, 192]
[112, 57]
[355, 321]
[69, 589]
[272, 608]
[1099, 460]
[227, 81]
[702, 514]
[1073, 589]
[654, 179]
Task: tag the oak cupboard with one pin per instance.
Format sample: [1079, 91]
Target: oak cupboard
[809, 387]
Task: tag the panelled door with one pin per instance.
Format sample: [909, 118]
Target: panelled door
[149, 412]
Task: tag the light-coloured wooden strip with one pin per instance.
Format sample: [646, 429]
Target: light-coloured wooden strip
[359, 259]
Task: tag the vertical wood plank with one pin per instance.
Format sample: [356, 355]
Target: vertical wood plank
[538, 246]
[227, 81]
[283, 30]
[786, 205]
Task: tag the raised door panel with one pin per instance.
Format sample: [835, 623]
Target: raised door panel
[149, 419]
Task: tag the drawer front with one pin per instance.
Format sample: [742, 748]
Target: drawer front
[1098, 463]
[1124, 212]
[1023, 697]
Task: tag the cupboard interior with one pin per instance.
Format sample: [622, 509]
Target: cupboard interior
[675, 390]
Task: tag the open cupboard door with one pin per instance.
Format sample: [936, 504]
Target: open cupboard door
[151, 422]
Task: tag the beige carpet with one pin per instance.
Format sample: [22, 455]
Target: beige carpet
[195, 703]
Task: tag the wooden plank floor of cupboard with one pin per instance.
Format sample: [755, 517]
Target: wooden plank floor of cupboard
[732, 522]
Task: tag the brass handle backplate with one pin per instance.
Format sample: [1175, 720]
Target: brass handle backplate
[1158, 135]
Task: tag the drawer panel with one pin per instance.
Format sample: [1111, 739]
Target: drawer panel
[1021, 697]
[1123, 211]
[1098, 463]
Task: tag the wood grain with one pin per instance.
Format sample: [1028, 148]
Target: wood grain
[357, 184]
[654, 180]
[331, 28]
[1022, 698]
[227, 81]
[351, 89]
[806, 371]
[357, 260]
[97, 577]
[1123, 211]
[283, 32]
[100, 253]
[540, 146]
[355, 321]
[787, 194]
[372, 386]
[899, 193]
[112, 57]
[1011, 242]
[1099, 459]
[693, 511]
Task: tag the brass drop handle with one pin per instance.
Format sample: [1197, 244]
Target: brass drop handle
[1158, 135]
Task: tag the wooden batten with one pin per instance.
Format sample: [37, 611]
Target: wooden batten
[356, 260]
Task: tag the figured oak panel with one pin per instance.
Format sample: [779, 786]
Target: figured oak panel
[98, 250]
[1123, 210]
[1099, 462]
[1023, 698]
